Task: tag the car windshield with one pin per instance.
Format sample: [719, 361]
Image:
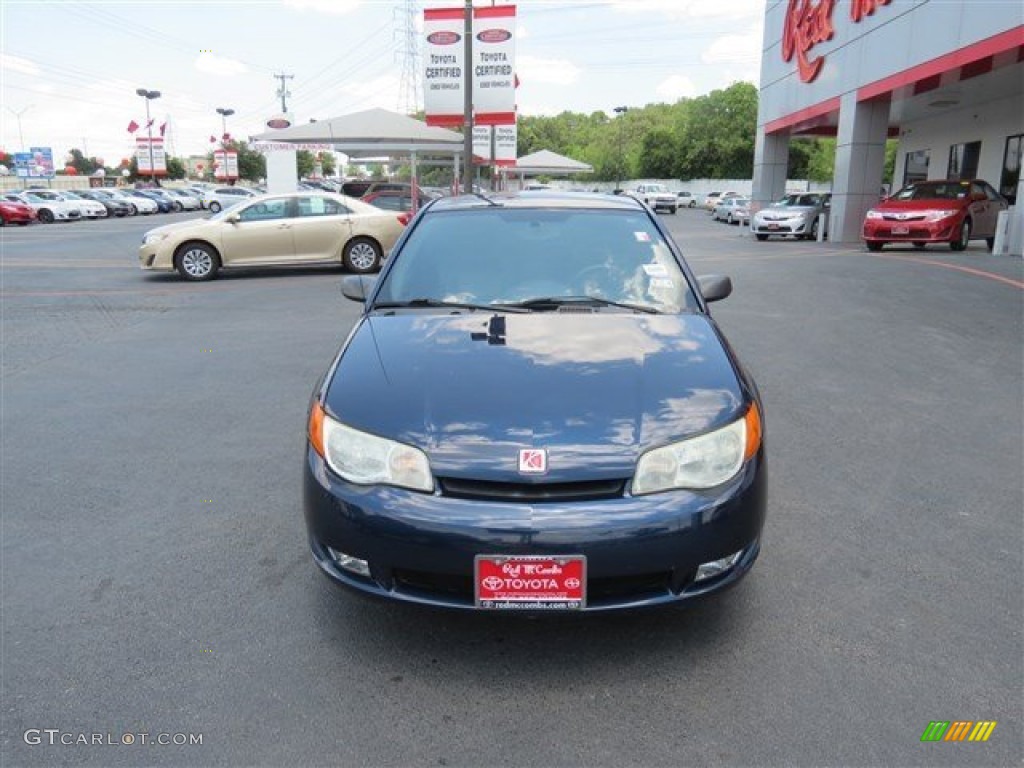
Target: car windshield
[946, 190]
[508, 256]
[802, 200]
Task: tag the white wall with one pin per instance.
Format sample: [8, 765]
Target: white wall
[989, 124]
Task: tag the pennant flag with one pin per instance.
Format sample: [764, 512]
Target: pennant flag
[163, 127]
[213, 139]
[133, 127]
[150, 124]
[226, 137]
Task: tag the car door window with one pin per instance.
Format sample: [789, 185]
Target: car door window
[265, 210]
[320, 206]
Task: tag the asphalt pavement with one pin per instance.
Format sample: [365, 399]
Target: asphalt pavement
[156, 578]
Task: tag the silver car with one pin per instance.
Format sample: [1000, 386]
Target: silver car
[793, 216]
[732, 210]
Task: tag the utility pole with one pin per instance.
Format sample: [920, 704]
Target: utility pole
[283, 91]
[467, 114]
[18, 113]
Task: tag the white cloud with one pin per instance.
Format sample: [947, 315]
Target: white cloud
[219, 65]
[693, 9]
[18, 64]
[743, 49]
[333, 7]
[676, 87]
[380, 92]
[532, 69]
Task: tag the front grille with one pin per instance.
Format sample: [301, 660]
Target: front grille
[487, 490]
[616, 589]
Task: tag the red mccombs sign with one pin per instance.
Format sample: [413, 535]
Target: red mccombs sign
[809, 23]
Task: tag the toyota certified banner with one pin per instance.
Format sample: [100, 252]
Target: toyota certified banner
[504, 144]
[493, 66]
[142, 156]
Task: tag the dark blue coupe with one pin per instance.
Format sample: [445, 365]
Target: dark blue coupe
[536, 412]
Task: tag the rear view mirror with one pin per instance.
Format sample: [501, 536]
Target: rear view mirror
[357, 287]
[714, 287]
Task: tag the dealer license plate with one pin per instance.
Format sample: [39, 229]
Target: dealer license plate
[534, 582]
[773, 226]
[901, 230]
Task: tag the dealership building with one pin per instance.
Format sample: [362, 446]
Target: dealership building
[944, 77]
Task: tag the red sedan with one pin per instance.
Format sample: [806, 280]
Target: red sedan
[15, 213]
[953, 212]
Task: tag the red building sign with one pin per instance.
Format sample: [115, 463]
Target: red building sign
[809, 23]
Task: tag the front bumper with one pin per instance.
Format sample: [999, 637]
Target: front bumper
[792, 227]
[942, 231]
[640, 551]
[668, 204]
[154, 258]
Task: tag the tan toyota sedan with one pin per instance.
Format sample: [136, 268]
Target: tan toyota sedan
[279, 230]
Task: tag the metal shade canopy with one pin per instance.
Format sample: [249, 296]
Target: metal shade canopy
[373, 132]
[549, 163]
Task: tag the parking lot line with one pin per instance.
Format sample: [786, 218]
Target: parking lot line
[957, 267]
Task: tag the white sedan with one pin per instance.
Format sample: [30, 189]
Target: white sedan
[219, 198]
[140, 204]
[90, 208]
[185, 200]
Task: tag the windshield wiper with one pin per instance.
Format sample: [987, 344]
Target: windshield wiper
[561, 301]
[440, 304]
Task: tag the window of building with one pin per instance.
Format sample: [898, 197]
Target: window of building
[963, 160]
[915, 167]
[1011, 167]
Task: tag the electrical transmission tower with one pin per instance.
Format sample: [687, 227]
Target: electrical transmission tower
[283, 91]
[408, 50]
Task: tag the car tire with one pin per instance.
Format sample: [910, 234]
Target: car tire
[196, 261]
[874, 245]
[991, 243]
[215, 206]
[674, 209]
[178, 207]
[361, 255]
[813, 234]
[760, 236]
[45, 215]
[963, 237]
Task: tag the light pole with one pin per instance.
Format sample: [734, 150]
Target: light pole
[18, 114]
[149, 96]
[620, 111]
[224, 112]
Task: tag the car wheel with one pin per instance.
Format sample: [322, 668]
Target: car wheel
[919, 244]
[196, 261]
[991, 243]
[361, 255]
[674, 209]
[45, 215]
[215, 206]
[813, 234]
[964, 237]
[874, 245]
[178, 207]
[760, 236]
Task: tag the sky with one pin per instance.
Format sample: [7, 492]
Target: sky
[69, 71]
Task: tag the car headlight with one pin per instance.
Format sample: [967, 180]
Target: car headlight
[366, 459]
[153, 237]
[939, 215]
[873, 214]
[700, 462]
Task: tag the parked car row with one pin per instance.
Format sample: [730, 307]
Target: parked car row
[50, 205]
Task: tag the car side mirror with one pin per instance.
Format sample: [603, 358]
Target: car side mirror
[714, 287]
[357, 287]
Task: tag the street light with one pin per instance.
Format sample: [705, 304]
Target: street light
[149, 96]
[18, 114]
[224, 112]
[618, 166]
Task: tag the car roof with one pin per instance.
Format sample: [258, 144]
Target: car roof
[539, 199]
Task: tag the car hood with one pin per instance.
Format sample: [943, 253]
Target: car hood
[177, 226]
[937, 204]
[595, 390]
